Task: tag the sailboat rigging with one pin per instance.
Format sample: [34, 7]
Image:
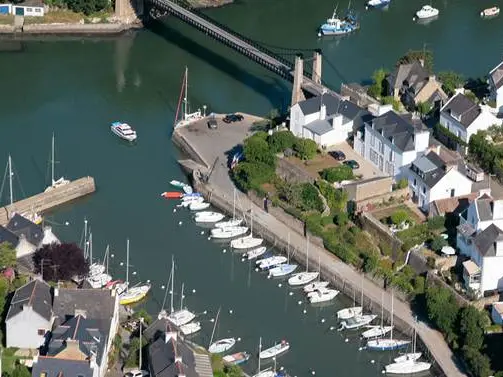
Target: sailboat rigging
[183, 105]
[60, 181]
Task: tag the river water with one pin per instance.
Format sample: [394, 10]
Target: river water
[75, 87]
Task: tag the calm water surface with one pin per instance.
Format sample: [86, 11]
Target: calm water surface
[76, 87]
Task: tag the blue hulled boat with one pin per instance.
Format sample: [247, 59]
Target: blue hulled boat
[337, 26]
[378, 3]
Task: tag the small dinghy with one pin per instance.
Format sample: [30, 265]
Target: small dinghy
[282, 270]
[229, 232]
[194, 199]
[275, 350]
[208, 217]
[255, 253]
[190, 328]
[229, 223]
[348, 313]
[267, 263]
[176, 183]
[222, 345]
[387, 344]
[194, 194]
[236, 358]
[246, 242]
[198, 206]
[376, 332]
[171, 195]
[490, 12]
[311, 287]
[303, 278]
[322, 295]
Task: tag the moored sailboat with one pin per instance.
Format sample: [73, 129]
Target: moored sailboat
[351, 312]
[255, 253]
[222, 345]
[55, 183]
[306, 277]
[183, 105]
[134, 294]
[208, 217]
[275, 350]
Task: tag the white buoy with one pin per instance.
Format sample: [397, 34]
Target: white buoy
[183, 296]
[304, 311]
[323, 320]
[212, 320]
[113, 255]
[383, 371]
[239, 339]
[290, 293]
[134, 272]
[299, 302]
[174, 210]
[202, 231]
[281, 368]
[280, 285]
[163, 287]
[209, 238]
[230, 311]
[170, 292]
[148, 281]
[366, 7]
[256, 269]
[413, 18]
[360, 348]
[319, 34]
[372, 361]
[180, 223]
[225, 250]
[193, 291]
[346, 340]
[67, 223]
[313, 372]
[242, 259]
[331, 328]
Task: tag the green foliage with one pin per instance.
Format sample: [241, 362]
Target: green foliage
[378, 87]
[341, 218]
[310, 197]
[233, 371]
[133, 357]
[337, 174]
[87, 6]
[336, 198]
[256, 150]
[20, 371]
[390, 100]
[472, 323]
[279, 141]
[419, 285]
[306, 149]
[478, 363]
[471, 96]
[443, 310]
[450, 81]
[436, 223]
[142, 313]
[417, 55]
[453, 140]
[7, 255]
[413, 236]
[313, 224]
[370, 261]
[250, 176]
[326, 220]
[402, 183]
[343, 251]
[399, 216]
[438, 243]
[424, 108]
[487, 155]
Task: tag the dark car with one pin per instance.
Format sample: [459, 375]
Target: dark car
[231, 118]
[352, 164]
[212, 123]
[338, 155]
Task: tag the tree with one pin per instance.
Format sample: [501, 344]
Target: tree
[21, 371]
[60, 261]
[378, 87]
[4, 291]
[310, 197]
[7, 255]
[472, 323]
[399, 216]
[436, 222]
[402, 183]
[87, 6]
[256, 149]
[438, 243]
[341, 218]
[390, 100]
[250, 176]
[337, 174]
[443, 310]
[418, 55]
[424, 108]
[279, 141]
[370, 262]
[306, 149]
[479, 364]
[451, 81]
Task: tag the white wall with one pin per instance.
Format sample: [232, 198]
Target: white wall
[453, 126]
[499, 100]
[22, 329]
[298, 120]
[453, 180]
[482, 122]
[492, 274]
[30, 11]
[24, 248]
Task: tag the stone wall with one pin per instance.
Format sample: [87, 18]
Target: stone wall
[369, 204]
[357, 94]
[292, 173]
[370, 224]
[369, 188]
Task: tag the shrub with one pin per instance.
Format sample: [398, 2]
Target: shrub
[256, 150]
[279, 141]
[413, 236]
[402, 183]
[385, 249]
[250, 176]
[436, 223]
[438, 243]
[419, 285]
[326, 220]
[390, 100]
[306, 149]
[310, 198]
[399, 216]
[344, 252]
[341, 218]
[370, 261]
[336, 198]
[67, 258]
[337, 174]
[313, 224]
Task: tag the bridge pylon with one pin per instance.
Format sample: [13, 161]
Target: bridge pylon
[298, 76]
[316, 74]
[129, 11]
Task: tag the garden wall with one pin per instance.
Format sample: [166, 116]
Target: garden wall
[369, 188]
[370, 203]
[381, 232]
[292, 173]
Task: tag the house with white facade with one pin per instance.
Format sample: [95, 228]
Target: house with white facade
[496, 86]
[497, 313]
[480, 238]
[463, 117]
[431, 179]
[391, 142]
[326, 119]
[29, 318]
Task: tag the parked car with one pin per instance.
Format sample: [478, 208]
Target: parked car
[212, 123]
[137, 373]
[231, 118]
[352, 164]
[338, 155]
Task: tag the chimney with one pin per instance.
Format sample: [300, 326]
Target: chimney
[171, 335]
[80, 312]
[459, 91]
[421, 61]
[438, 148]
[323, 111]
[432, 78]
[56, 292]
[499, 247]
[392, 139]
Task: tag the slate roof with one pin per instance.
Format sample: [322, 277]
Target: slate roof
[357, 114]
[319, 127]
[312, 105]
[91, 334]
[456, 205]
[54, 367]
[466, 229]
[156, 329]
[431, 169]
[486, 240]
[36, 294]
[7, 236]
[399, 128]
[413, 75]
[162, 355]
[96, 303]
[463, 109]
[484, 208]
[497, 76]
[21, 226]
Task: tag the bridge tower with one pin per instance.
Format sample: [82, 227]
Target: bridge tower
[298, 76]
[128, 11]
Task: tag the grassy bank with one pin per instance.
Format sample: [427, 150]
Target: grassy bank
[6, 19]
[68, 17]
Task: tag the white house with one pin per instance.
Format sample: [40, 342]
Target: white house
[464, 118]
[326, 119]
[430, 179]
[30, 8]
[497, 313]
[496, 86]
[29, 317]
[391, 142]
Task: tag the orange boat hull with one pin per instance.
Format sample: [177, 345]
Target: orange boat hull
[172, 195]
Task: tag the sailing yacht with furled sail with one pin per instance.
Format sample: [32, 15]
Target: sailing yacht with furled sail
[183, 316]
[183, 106]
[55, 183]
[134, 294]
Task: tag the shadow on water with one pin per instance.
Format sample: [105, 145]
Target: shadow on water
[275, 91]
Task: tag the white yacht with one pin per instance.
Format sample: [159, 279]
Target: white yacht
[55, 183]
[222, 345]
[123, 130]
[427, 11]
[255, 253]
[314, 286]
[228, 232]
[208, 217]
[322, 295]
[246, 242]
[275, 350]
[190, 328]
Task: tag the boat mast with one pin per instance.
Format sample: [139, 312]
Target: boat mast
[259, 350]
[307, 254]
[52, 160]
[172, 281]
[185, 95]
[106, 258]
[11, 193]
[288, 248]
[90, 248]
[214, 327]
[391, 333]
[167, 290]
[181, 298]
[361, 302]
[382, 310]
[127, 265]
[234, 204]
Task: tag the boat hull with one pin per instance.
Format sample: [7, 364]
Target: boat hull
[303, 278]
[376, 332]
[255, 253]
[190, 328]
[386, 344]
[348, 313]
[181, 317]
[222, 345]
[172, 195]
[246, 243]
[282, 270]
[408, 367]
[274, 351]
[326, 296]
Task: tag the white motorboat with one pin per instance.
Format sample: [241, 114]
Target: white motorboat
[314, 286]
[302, 278]
[267, 263]
[55, 183]
[181, 317]
[348, 313]
[222, 345]
[427, 11]
[99, 281]
[123, 130]
[236, 358]
[229, 223]
[490, 12]
[407, 356]
[96, 269]
[176, 183]
[246, 242]
[322, 295]
[228, 232]
[193, 199]
[266, 373]
[275, 350]
[376, 332]
[198, 206]
[208, 217]
[282, 270]
[358, 321]
[190, 328]
[187, 189]
[255, 253]
[407, 367]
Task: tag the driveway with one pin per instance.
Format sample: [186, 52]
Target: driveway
[367, 170]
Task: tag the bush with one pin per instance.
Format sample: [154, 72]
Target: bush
[399, 216]
[450, 81]
[256, 150]
[310, 198]
[438, 243]
[336, 198]
[279, 141]
[419, 285]
[344, 252]
[341, 218]
[337, 174]
[66, 258]
[249, 176]
[306, 149]
[413, 236]
[370, 261]
[87, 6]
[436, 223]
[402, 183]
[313, 224]
[326, 220]
[390, 100]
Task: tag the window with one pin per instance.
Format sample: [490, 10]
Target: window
[453, 193]
[373, 156]
[391, 155]
[41, 332]
[29, 9]
[415, 182]
[372, 140]
[43, 374]
[381, 147]
[37, 10]
[424, 189]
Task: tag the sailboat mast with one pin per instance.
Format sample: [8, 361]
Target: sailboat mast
[382, 310]
[259, 350]
[11, 193]
[361, 302]
[52, 160]
[234, 205]
[307, 254]
[127, 265]
[288, 248]
[181, 298]
[392, 301]
[214, 327]
[90, 248]
[185, 98]
[172, 282]
[106, 257]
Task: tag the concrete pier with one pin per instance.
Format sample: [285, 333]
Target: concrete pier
[46, 201]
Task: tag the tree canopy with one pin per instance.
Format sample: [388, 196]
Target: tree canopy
[417, 55]
[451, 81]
[279, 141]
[60, 261]
[306, 149]
[7, 255]
[337, 174]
